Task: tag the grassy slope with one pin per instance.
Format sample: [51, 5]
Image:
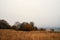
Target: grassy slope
[32, 35]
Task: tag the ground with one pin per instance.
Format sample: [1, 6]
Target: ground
[8, 34]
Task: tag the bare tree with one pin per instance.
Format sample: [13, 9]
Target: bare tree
[16, 25]
[32, 23]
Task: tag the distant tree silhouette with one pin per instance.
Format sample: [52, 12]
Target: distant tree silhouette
[16, 26]
[32, 23]
[42, 29]
[22, 26]
[13, 27]
[4, 25]
[52, 30]
[26, 27]
[35, 28]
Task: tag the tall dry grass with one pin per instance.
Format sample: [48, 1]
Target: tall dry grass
[6, 34]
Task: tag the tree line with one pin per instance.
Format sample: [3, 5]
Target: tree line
[20, 26]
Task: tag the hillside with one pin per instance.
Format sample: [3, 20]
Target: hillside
[6, 34]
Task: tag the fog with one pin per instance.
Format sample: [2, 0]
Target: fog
[44, 13]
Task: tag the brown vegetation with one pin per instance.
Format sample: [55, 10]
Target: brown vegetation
[27, 31]
[31, 35]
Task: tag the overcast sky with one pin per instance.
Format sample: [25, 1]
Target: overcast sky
[41, 12]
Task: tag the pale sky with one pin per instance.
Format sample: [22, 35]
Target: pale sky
[43, 13]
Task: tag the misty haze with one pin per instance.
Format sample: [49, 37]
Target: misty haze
[30, 19]
[43, 13]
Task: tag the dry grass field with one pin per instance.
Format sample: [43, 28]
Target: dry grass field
[7, 34]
